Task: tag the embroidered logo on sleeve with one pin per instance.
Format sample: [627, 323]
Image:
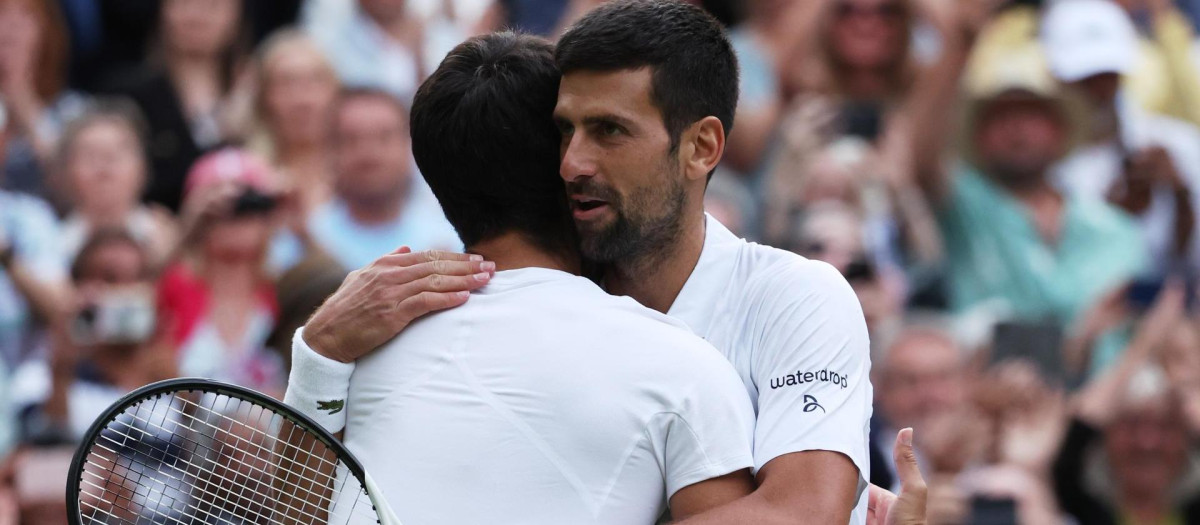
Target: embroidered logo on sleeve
[332, 407]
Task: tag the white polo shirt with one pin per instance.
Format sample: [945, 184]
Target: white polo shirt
[544, 400]
[796, 335]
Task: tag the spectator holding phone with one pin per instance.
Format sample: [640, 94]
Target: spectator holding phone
[297, 86]
[920, 375]
[1148, 165]
[103, 161]
[103, 346]
[1132, 412]
[1015, 244]
[219, 302]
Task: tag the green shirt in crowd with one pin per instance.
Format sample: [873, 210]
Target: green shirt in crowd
[995, 252]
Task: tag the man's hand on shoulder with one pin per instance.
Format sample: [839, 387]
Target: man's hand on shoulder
[375, 303]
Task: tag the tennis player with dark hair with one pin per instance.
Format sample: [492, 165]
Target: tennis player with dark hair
[646, 99]
[543, 399]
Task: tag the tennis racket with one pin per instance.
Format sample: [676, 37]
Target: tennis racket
[199, 452]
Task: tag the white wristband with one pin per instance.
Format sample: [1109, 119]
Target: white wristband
[318, 386]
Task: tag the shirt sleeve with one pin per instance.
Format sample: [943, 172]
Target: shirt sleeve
[710, 433]
[811, 365]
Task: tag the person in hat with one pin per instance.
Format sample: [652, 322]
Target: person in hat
[1146, 164]
[1013, 241]
[216, 298]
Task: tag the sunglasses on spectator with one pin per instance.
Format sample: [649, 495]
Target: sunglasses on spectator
[890, 11]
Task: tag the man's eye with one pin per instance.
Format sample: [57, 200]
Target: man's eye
[610, 130]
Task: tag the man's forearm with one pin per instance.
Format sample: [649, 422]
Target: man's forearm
[817, 487]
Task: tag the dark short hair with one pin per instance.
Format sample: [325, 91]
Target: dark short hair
[485, 141]
[695, 72]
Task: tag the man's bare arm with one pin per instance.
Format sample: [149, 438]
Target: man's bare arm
[802, 487]
[711, 493]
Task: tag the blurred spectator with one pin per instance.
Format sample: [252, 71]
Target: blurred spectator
[108, 39]
[8, 420]
[1163, 74]
[217, 300]
[1137, 416]
[104, 164]
[832, 232]
[33, 94]
[1148, 165]
[299, 292]
[731, 203]
[33, 272]
[842, 110]
[192, 93]
[380, 203]
[383, 45]
[539, 17]
[919, 376]
[1015, 245]
[297, 87]
[850, 170]
[103, 347]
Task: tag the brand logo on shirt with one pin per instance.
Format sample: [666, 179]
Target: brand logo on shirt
[811, 404]
[800, 378]
[332, 407]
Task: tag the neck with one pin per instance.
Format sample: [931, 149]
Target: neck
[1033, 192]
[655, 278]
[101, 216]
[189, 66]
[305, 156]
[513, 250]
[1145, 506]
[376, 210]
[237, 276]
[864, 83]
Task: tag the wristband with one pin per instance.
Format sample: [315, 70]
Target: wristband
[317, 385]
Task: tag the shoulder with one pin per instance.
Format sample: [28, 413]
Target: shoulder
[784, 278]
[27, 207]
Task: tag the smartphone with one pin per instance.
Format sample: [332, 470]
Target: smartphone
[992, 511]
[862, 119]
[123, 316]
[1038, 342]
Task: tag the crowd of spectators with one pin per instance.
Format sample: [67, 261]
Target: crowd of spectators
[1010, 186]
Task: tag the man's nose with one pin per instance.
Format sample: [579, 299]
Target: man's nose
[578, 160]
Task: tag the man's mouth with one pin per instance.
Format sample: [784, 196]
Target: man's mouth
[587, 208]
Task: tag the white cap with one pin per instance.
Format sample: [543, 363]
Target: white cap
[1083, 38]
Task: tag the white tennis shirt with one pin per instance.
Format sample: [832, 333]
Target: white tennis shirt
[544, 400]
[795, 333]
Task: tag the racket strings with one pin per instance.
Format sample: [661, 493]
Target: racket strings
[209, 473]
[205, 462]
[161, 493]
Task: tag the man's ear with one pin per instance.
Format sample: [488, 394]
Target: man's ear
[701, 148]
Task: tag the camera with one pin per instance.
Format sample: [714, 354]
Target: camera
[118, 317]
[253, 202]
